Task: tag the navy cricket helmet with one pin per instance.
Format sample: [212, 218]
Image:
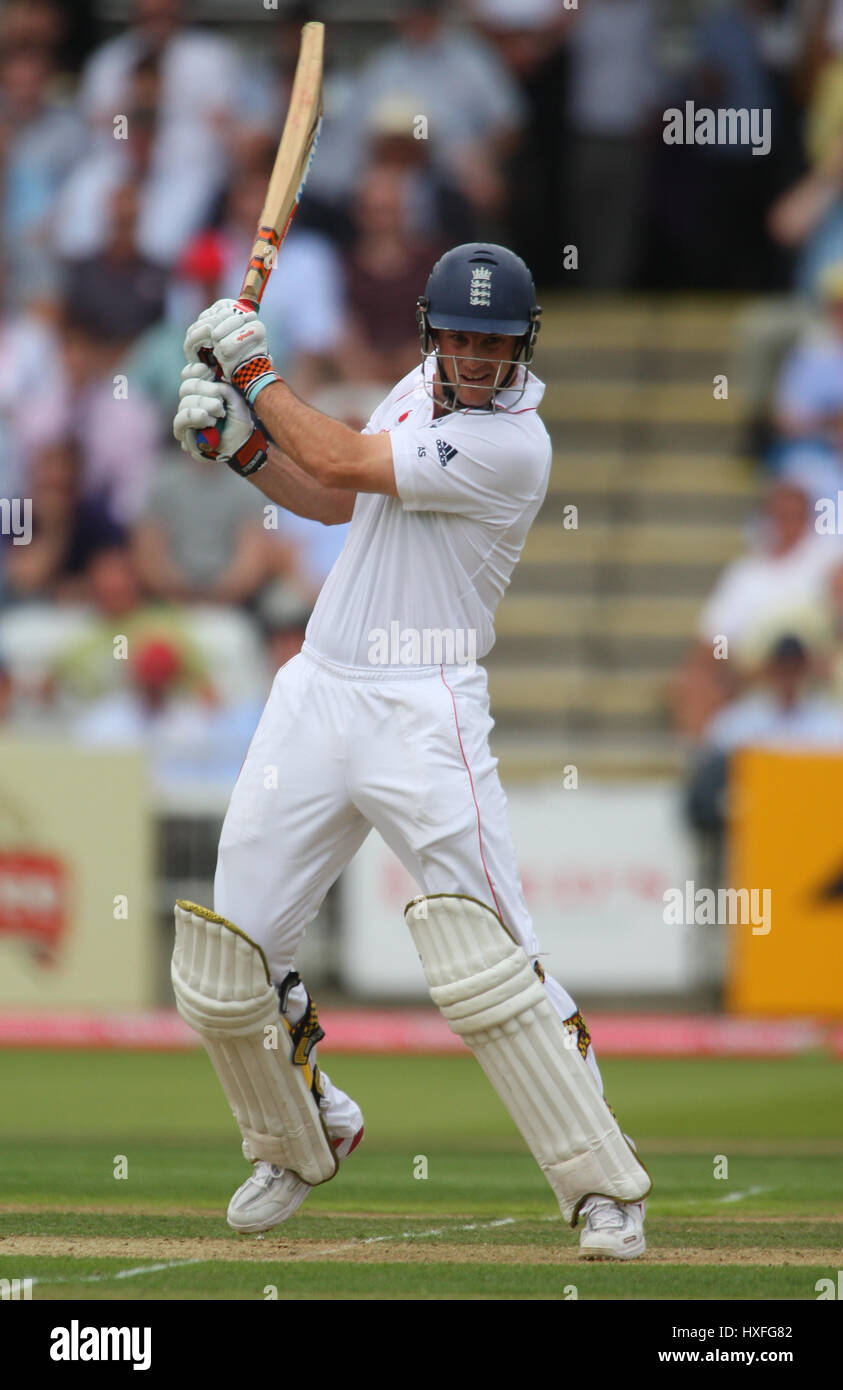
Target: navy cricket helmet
[481, 288]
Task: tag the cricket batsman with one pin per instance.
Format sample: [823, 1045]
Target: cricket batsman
[441, 488]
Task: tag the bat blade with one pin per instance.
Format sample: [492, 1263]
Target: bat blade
[292, 164]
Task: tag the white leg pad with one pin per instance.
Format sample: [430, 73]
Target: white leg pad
[485, 986]
[224, 991]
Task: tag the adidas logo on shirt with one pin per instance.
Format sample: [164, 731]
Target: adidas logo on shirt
[445, 452]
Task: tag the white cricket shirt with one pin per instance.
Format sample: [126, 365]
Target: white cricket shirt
[437, 558]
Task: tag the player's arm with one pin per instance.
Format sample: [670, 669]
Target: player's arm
[282, 481]
[336, 457]
[328, 451]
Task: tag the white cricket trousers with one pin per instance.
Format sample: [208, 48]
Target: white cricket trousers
[339, 750]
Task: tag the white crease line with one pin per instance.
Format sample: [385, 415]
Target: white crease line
[315, 1254]
[739, 1196]
[408, 1235]
[118, 1274]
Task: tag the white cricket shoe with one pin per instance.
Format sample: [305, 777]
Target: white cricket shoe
[271, 1195]
[612, 1230]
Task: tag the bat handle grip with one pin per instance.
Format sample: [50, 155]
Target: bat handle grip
[248, 306]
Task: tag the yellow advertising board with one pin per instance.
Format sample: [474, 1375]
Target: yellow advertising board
[786, 835]
[75, 875]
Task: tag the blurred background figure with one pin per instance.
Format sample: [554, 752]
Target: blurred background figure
[91, 665]
[187, 738]
[200, 73]
[781, 710]
[41, 140]
[531, 40]
[69, 529]
[466, 105]
[119, 292]
[116, 429]
[384, 266]
[200, 536]
[176, 186]
[777, 584]
[28, 344]
[612, 99]
[785, 709]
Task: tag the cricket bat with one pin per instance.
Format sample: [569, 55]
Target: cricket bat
[292, 164]
[288, 177]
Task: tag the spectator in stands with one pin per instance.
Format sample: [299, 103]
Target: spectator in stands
[187, 739]
[200, 538]
[732, 185]
[782, 711]
[40, 140]
[807, 219]
[302, 305]
[29, 349]
[807, 409]
[91, 666]
[437, 208]
[774, 587]
[116, 428]
[176, 180]
[201, 73]
[119, 292]
[530, 38]
[614, 90]
[810, 390]
[68, 528]
[385, 271]
[61, 27]
[787, 571]
[469, 107]
[823, 74]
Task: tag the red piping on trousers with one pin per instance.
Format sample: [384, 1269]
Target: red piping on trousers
[473, 793]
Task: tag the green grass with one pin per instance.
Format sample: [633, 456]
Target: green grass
[66, 1116]
[431, 1280]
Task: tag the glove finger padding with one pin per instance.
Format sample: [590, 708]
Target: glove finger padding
[197, 371]
[199, 334]
[209, 389]
[213, 422]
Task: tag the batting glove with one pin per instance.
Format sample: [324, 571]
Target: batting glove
[240, 347]
[214, 422]
[198, 335]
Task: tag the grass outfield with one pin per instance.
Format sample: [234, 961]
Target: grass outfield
[482, 1224]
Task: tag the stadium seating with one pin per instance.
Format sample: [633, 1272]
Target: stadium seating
[598, 616]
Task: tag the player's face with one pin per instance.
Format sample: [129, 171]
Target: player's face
[475, 359]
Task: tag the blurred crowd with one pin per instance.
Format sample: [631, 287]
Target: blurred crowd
[766, 668]
[156, 595]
